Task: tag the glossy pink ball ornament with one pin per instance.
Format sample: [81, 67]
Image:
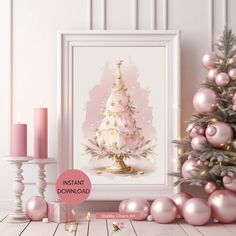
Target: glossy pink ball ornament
[210, 187]
[230, 184]
[189, 170]
[222, 79]
[139, 205]
[219, 134]
[209, 59]
[36, 208]
[197, 143]
[163, 210]
[180, 199]
[196, 211]
[204, 101]
[232, 74]
[122, 205]
[227, 179]
[223, 206]
[212, 73]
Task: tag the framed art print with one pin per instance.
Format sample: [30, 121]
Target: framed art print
[118, 110]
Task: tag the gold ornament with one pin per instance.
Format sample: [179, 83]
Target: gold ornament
[180, 151]
[234, 143]
[229, 147]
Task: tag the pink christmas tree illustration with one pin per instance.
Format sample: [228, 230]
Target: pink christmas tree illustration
[118, 135]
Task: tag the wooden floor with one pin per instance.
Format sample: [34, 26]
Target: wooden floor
[104, 228]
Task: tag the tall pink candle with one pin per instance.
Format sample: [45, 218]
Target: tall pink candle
[40, 133]
[18, 140]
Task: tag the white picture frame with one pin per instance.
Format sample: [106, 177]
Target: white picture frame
[71, 44]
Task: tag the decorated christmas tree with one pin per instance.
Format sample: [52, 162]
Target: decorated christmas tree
[209, 150]
[118, 135]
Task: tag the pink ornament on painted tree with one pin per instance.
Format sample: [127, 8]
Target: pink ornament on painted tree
[210, 187]
[230, 183]
[189, 169]
[194, 130]
[209, 59]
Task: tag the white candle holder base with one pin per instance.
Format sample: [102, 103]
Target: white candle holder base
[18, 216]
[41, 183]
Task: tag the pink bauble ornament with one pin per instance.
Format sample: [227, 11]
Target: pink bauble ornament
[189, 170]
[139, 205]
[210, 187]
[196, 130]
[205, 101]
[212, 73]
[197, 143]
[163, 210]
[199, 163]
[227, 179]
[122, 205]
[180, 199]
[222, 135]
[209, 59]
[234, 107]
[36, 208]
[232, 73]
[231, 185]
[191, 157]
[222, 79]
[196, 211]
[223, 206]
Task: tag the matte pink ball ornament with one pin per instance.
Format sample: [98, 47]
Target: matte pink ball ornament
[139, 205]
[222, 79]
[163, 210]
[230, 184]
[194, 130]
[36, 208]
[212, 73]
[180, 199]
[204, 101]
[232, 74]
[219, 134]
[209, 59]
[197, 143]
[189, 170]
[210, 187]
[196, 211]
[223, 206]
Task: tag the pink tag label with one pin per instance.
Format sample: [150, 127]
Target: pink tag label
[118, 215]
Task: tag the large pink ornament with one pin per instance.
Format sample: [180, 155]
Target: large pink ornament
[210, 187]
[138, 205]
[222, 79]
[227, 179]
[209, 59]
[197, 143]
[205, 101]
[232, 73]
[223, 206]
[212, 73]
[180, 199]
[122, 205]
[163, 210]
[196, 211]
[189, 170]
[231, 185]
[36, 208]
[219, 134]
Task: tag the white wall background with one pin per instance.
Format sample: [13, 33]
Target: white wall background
[28, 31]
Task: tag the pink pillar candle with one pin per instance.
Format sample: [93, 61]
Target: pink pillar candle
[41, 133]
[18, 140]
